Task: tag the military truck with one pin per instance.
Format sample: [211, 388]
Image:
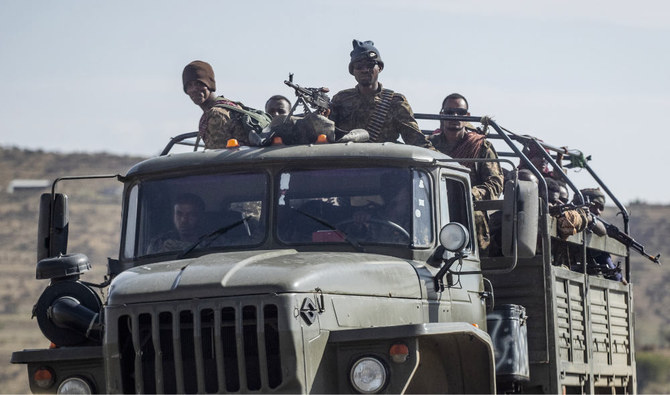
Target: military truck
[328, 268]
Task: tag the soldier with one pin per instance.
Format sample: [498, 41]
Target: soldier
[602, 260]
[187, 218]
[539, 161]
[383, 113]
[459, 141]
[277, 105]
[569, 222]
[558, 192]
[217, 124]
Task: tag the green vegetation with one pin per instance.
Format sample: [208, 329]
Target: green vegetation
[653, 369]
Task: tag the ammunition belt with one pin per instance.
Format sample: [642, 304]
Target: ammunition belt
[379, 115]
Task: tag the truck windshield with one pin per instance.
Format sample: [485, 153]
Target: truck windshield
[170, 215]
[366, 205]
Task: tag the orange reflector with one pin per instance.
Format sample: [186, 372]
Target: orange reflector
[399, 353]
[43, 378]
[53, 345]
[475, 325]
[322, 139]
[277, 140]
[232, 143]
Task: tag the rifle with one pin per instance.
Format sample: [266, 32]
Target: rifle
[557, 210]
[616, 234]
[314, 97]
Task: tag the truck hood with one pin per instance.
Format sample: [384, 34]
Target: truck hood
[259, 272]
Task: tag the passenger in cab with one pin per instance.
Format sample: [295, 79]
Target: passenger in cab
[385, 114]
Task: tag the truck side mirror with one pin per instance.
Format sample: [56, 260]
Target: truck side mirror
[520, 219]
[52, 226]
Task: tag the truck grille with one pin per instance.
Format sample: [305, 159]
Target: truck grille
[205, 349]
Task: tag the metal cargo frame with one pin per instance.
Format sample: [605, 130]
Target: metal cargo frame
[567, 355]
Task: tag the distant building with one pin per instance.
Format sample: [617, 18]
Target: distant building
[27, 185]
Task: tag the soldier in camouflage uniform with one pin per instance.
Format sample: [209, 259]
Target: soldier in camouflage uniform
[601, 260]
[570, 222]
[460, 141]
[364, 106]
[217, 124]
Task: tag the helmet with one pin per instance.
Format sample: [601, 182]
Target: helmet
[364, 50]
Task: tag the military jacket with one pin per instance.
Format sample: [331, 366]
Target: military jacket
[350, 109]
[486, 177]
[218, 125]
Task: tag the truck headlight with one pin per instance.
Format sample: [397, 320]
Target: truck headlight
[368, 375]
[74, 385]
[454, 237]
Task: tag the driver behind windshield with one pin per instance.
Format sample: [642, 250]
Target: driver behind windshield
[187, 218]
[390, 221]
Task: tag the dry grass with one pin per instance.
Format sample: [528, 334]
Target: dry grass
[94, 230]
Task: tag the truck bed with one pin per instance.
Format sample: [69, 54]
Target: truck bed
[566, 353]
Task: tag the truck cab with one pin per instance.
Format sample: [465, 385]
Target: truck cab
[311, 266]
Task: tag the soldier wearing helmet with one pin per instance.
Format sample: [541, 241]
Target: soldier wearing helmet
[596, 199]
[385, 114]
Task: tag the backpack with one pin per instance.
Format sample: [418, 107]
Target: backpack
[252, 119]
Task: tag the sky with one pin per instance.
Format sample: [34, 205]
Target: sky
[93, 76]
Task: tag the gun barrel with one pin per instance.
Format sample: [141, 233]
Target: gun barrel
[313, 97]
[655, 259]
[292, 85]
[625, 239]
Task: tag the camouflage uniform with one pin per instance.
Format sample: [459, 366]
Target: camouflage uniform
[218, 125]
[568, 224]
[352, 110]
[572, 222]
[486, 179]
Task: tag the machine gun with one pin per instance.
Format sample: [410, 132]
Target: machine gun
[312, 97]
[616, 234]
[557, 210]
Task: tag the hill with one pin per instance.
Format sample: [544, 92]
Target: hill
[95, 224]
[94, 231]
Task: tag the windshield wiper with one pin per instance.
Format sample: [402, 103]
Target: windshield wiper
[210, 237]
[354, 243]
